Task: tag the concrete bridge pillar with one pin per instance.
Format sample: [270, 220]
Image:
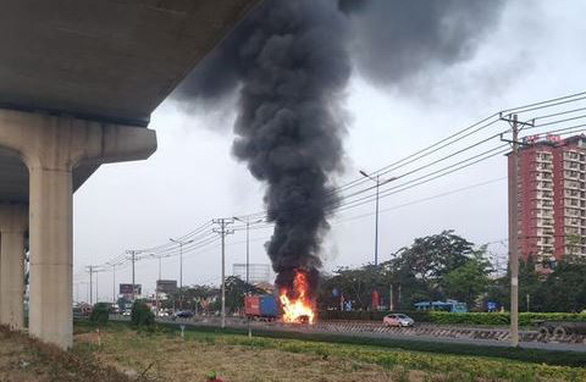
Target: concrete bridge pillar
[52, 146]
[13, 226]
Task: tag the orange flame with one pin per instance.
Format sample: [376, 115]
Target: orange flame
[300, 308]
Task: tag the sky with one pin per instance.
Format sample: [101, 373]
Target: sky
[534, 52]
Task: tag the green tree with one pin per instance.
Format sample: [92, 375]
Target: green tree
[529, 284]
[141, 315]
[564, 290]
[189, 297]
[100, 314]
[356, 285]
[467, 282]
[236, 289]
[420, 268]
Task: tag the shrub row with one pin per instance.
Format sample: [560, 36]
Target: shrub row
[100, 314]
[482, 318]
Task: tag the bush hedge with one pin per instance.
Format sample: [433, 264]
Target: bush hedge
[141, 315]
[100, 314]
[445, 318]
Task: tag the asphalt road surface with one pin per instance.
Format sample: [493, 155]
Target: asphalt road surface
[422, 332]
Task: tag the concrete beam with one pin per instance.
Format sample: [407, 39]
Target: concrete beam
[112, 61]
[13, 226]
[51, 146]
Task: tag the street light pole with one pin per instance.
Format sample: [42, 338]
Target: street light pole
[247, 252]
[180, 265]
[181, 244]
[97, 289]
[91, 271]
[114, 283]
[378, 184]
[157, 289]
[247, 223]
[376, 222]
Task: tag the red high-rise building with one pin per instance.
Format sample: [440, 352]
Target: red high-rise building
[551, 195]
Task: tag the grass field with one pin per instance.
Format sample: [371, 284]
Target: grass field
[164, 356]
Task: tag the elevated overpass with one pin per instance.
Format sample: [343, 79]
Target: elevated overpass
[78, 83]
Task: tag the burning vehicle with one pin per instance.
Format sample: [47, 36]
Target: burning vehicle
[292, 305]
[297, 304]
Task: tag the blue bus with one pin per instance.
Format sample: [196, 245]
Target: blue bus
[451, 306]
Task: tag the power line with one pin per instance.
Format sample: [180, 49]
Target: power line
[417, 201]
[434, 175]
[470, 161]
[548, 103]
[524, 108]
[347, 198]
[407, 186]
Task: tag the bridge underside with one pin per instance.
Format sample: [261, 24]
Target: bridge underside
[114, 60]
[78, 83]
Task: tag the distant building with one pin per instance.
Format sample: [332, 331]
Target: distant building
[551, 198]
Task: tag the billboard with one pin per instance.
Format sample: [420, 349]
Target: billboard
[126, 289]
[167, 286]
[257, 273]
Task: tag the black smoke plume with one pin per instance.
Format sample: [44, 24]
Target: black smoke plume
[290, 61]
[288, 128]
[396, 40]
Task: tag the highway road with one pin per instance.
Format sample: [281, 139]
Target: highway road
[495, 337]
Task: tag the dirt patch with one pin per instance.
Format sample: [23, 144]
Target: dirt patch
[27, 360]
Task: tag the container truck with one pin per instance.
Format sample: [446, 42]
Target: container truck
[261, 307]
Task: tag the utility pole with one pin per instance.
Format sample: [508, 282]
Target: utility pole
[514, 223]
[91, 271]
[378, 184]
[133, 260]
[223, 231]
[514, 235]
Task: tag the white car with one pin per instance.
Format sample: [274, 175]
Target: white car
[398, 319]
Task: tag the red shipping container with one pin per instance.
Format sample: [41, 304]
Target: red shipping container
[252, 305]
